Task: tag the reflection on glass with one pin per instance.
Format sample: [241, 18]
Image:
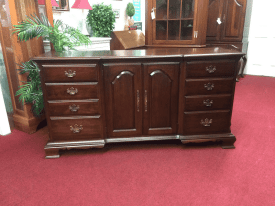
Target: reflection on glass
[161, 28]
[63, 5]
[187, 9]
[186, 30]
[173, 30]
[174, 9]
[161, 9]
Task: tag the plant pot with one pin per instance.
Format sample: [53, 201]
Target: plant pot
[131, 22]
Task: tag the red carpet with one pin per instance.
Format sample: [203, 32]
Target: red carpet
[152, 174]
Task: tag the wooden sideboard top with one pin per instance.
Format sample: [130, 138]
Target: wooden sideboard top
[145, 54]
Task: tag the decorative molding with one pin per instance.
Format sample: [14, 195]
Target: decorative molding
[121, 74]
[238, 3]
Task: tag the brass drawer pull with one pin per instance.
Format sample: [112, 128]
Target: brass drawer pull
[208, 102]
[146, 101]
[209, 86]
[207, 122]
[211, 69]
[70, 73]
[76, 128]
[72, 91]
[74, 108]
[137, 100]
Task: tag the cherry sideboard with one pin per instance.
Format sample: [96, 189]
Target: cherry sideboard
[97, 97]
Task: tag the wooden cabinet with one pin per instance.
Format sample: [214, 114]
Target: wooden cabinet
[176, 23]
[225, 22]
[141, 99]
[183, 94]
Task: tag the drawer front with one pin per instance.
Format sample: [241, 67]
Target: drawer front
[210, 69]
[209, 86]
[70, 73]
[72, 91]
[208, 102]
[85, 107]
[207, 122]
[76, 128]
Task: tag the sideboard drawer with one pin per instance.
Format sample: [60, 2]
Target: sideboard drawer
[71, 73]
[207, 122]
[72, 91]
[210, 69]
[209, 86]
[81, 107]
[76, 128]
[208, 102]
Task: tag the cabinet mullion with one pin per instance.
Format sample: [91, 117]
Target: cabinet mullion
[180, 18]
[168, 18]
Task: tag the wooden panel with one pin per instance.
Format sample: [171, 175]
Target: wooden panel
[123, 86]
[210, 69]
[194, 122]
[70, 107]
[208, 102]
[71, 73]
[234, 14]
[160, 98]
[219, 86]
[63, 91]
[61, 128]
[126, 39]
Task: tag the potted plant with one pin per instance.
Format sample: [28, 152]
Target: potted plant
[101, 20]
[62, 37]
[130, 11]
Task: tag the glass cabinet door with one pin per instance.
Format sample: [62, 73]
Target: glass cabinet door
[174, 20]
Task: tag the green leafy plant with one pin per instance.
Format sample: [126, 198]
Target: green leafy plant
[130, 10]
[61, 35]
[31, 91]
[101, 20]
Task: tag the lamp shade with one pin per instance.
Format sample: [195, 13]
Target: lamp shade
[82, 4]
[42, 2]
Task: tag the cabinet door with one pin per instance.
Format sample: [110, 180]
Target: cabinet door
[123, 86]
[178, 22]
[214, 21]
[233, 20]
[160, 98]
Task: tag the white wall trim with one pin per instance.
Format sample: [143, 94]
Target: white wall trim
[4, 121]
[260, 54]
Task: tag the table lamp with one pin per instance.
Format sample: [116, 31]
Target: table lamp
[82, 4]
